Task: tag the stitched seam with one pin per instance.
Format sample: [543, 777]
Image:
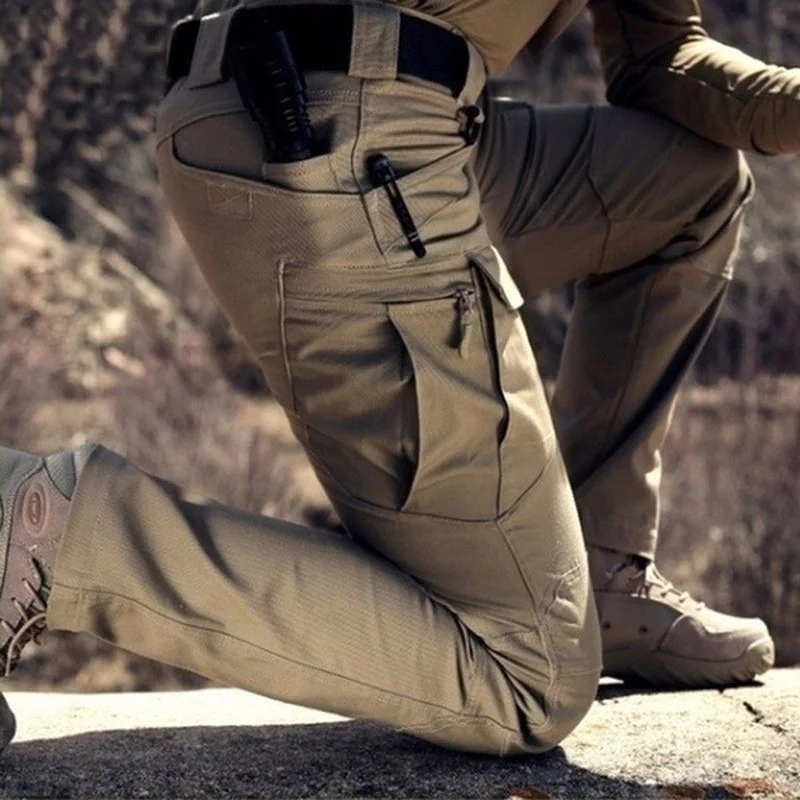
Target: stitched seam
[547, 644]
[492, 352]
[637, 352]
[472, 695]
[598, 195]
[498, 525]
[558, 674]
[479, 521]
[378, 307]
[682, 73]
[551, 671]
[633, 363]
[565, 578]
[513, 212]
[372, 216]
[424, 222]
[625, 34]
[233, 106]
[215, 110]
[109, 482]
[105, 595]
[284, 338]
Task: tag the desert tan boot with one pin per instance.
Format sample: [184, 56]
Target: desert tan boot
[655, 634]
[35, 495]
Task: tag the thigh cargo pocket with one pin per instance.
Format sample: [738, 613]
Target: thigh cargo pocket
[483, 426]
[458, 418]
[352, 376]
[415, 385]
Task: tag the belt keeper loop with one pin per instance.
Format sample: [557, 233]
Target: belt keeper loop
[375, 42]
[208, 59]
[179, 50]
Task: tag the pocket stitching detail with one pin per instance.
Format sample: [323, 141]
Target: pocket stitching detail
[226, 201]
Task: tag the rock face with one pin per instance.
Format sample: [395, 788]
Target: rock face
[84, 316]
[80, 82]
[738, 743]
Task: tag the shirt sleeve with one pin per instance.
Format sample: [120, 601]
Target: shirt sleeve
[657, 56]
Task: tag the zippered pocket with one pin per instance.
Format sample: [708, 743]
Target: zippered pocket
[352, 376]
[414, 387]
[458, 413]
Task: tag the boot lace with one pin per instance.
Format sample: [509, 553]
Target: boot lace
[30, 627]
[647, 581]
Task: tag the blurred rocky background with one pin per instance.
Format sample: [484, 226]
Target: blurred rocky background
[108, 333]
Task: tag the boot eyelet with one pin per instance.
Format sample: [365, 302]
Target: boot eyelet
[606, 625]
[643, 629]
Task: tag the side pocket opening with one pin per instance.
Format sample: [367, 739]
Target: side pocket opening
[458, 412]
[527, 438]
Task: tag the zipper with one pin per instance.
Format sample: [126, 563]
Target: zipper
[467, 311]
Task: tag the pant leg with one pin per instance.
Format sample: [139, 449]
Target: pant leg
[645, 216]
[460, 610]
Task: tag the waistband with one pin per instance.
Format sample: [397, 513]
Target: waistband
[362, 38]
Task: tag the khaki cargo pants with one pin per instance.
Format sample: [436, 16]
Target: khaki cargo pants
[460, 610]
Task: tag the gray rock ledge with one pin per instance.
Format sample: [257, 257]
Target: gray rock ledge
[742, 742]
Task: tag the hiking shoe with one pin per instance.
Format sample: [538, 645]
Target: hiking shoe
[655, 634]
[35, 495]
[8, 725]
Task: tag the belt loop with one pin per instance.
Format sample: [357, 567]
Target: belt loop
[376, 41]
[476, 77]
[209, 50]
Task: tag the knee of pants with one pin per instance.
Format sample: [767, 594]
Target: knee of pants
[567, 703]
[730, 176]
[730, 184]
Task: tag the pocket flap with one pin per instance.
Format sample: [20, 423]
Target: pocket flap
[492, 266]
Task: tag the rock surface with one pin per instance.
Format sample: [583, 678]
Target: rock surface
[742, 742]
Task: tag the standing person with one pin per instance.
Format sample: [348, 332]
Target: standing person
[348, 244]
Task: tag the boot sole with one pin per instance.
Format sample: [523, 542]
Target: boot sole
[655, 668]
[8, 724]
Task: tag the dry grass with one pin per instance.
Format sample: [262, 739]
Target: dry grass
[92, 351]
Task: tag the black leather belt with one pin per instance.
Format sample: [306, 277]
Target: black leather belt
[320, 37]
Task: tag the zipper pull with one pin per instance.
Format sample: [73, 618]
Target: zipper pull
[381, 173]
[466, 319]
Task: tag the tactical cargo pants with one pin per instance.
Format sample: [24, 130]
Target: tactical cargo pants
[460, 610]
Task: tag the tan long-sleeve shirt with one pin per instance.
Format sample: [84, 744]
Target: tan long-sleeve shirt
[656, 56]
